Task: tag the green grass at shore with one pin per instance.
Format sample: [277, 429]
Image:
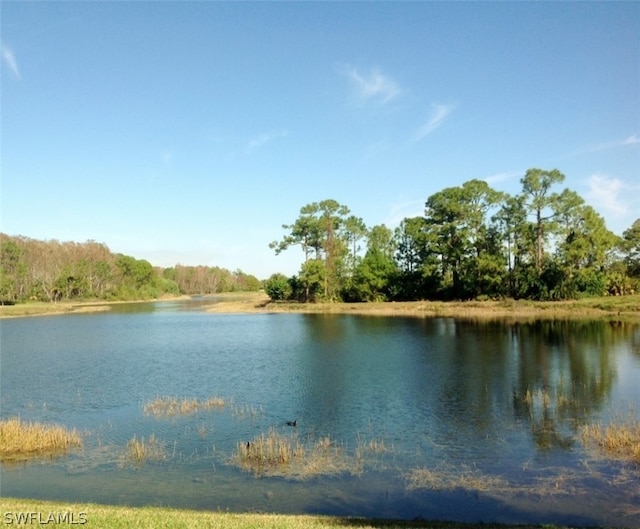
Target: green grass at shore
[116, 517]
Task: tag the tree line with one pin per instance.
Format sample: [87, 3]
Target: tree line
[55, 271]
[472, 242]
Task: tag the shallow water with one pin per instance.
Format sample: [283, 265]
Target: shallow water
[431, 418]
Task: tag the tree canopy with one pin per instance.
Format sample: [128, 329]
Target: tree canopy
[472, 242]
[55, 271]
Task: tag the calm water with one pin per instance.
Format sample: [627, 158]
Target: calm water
[433, 418]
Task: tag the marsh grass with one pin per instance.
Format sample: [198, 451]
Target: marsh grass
[271, 449]
[448, 477]
[141, 450]
[620, 441]
[173, 406]
[248, 411]
[21, 440]
[276, 454]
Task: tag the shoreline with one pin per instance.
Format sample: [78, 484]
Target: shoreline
[622, 308]
[625, 308]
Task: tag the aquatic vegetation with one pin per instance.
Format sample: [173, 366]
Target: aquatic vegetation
[617, 440]
[248, 411]
[22, 440]
[285, 455]
[271, 449]
[171, 406]
[140, 450]
[448, 477]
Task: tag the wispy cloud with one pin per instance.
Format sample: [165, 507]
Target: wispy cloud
[438, 114]
[629, 141]
[371, 86]
[611, 194]
[9, 59]
[403, 210]
[498, 178]
[266, 137]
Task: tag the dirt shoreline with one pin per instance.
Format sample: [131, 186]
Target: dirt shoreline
[619, 309]
[625, 308]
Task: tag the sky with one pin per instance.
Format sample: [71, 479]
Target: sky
[190, 132]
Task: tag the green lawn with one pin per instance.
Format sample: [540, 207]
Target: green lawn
[39, 512]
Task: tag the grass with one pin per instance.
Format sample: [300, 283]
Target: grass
[172, 406]
[141, 450]
[269, 450]
[450, 478]
[20, 440]
[620, 441]
[120, 517]
[248, 411]
[275, 454]
[625, 308]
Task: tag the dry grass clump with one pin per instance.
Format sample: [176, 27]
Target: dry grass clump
[171, 406]
[373, 446]
[271, 449]
[282, 455]
[618, 440]
[22, 440]
[140, 450]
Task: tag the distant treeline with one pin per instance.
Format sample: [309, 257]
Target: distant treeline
[54, 271]
[472, 242]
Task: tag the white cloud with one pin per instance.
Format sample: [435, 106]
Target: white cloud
[609, 193]
[438, 114]
[266, 137]
[9, 59]
[372, 86]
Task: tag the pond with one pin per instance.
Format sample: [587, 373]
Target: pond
[432, 418]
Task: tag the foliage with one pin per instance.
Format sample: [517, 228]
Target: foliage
[278, 287]
[473, 242]
[32, 270]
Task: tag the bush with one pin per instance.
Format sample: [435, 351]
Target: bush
[278, 288]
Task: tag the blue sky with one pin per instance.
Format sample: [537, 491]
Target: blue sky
[189, 132]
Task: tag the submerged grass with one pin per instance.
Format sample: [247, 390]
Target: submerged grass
[21, 440]
[141, 450]
[452, 478]
[172, 406]
[620, 441]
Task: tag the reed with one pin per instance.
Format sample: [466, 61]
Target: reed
[21, 440]
[140, 450]
[271, 449]
[617, 440]
[276, 454]
[248, 411]
[172, 406]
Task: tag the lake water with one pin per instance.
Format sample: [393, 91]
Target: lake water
[419, 418]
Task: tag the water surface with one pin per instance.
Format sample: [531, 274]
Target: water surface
[489, 412]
